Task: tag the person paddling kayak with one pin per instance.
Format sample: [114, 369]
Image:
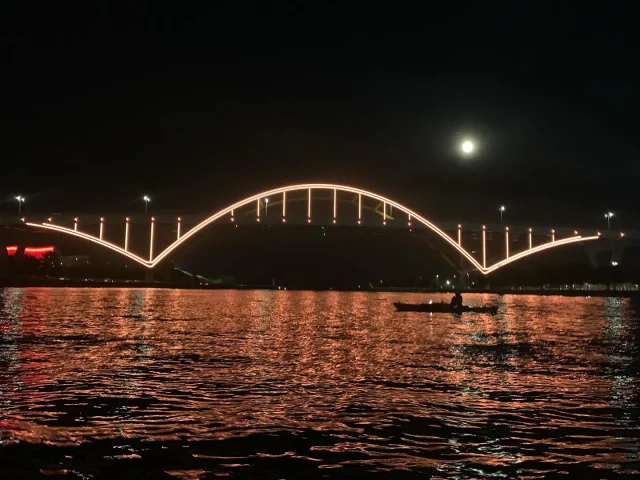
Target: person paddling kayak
[456, 300]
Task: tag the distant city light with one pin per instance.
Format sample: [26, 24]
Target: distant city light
[38, 252]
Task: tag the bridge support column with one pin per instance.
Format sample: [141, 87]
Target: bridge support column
[151, 233]
[126, 235]
[506, 242]
[4, 264]
[484, 246]
[594, 251]
[150, 276]
[10, 266]
[163, 274]
[618, 251]
[167, 271]
[461, 259]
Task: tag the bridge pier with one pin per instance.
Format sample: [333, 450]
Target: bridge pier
[9, 267]
[149, 276]
[166, 273]
[595, 251]
[162, 273]
[4, 264]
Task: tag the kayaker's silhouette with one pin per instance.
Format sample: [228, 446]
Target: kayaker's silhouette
[456, 300]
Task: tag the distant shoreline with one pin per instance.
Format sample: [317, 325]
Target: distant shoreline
[497, 290]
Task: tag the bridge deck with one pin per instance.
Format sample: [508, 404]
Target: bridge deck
[87, 221]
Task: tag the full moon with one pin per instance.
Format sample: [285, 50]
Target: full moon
[467, 146]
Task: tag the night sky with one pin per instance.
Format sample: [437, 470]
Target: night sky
[200, 104]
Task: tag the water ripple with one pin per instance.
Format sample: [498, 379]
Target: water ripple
[118, 383]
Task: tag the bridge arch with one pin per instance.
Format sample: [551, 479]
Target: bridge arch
[412, 215]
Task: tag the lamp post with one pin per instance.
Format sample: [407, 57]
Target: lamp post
[502, 210]
[608, 216]
[146, 199]
[20, 200]
[266, 207]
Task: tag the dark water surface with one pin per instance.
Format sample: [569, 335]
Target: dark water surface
[110, 383]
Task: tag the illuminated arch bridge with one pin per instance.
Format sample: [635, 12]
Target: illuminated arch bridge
[385, 205]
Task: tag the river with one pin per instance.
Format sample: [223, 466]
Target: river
[193, 384]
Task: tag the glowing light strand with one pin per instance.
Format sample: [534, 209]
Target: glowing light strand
[126, 235]
[335, 201]
[506, 241]
[35, 251]
[539, 248]
[153, 224]
[93, 239]
[484, 247]
[309, 187]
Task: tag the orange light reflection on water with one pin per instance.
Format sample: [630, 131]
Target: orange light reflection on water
[210, 365]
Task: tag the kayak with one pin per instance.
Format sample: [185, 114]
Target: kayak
[442, 308]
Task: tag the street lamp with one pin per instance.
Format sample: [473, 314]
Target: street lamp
[20, 200]
[146, 203]
[608, 217]
[266, 207]
[502, 210]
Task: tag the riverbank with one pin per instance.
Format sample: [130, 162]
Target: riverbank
[512, 290]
